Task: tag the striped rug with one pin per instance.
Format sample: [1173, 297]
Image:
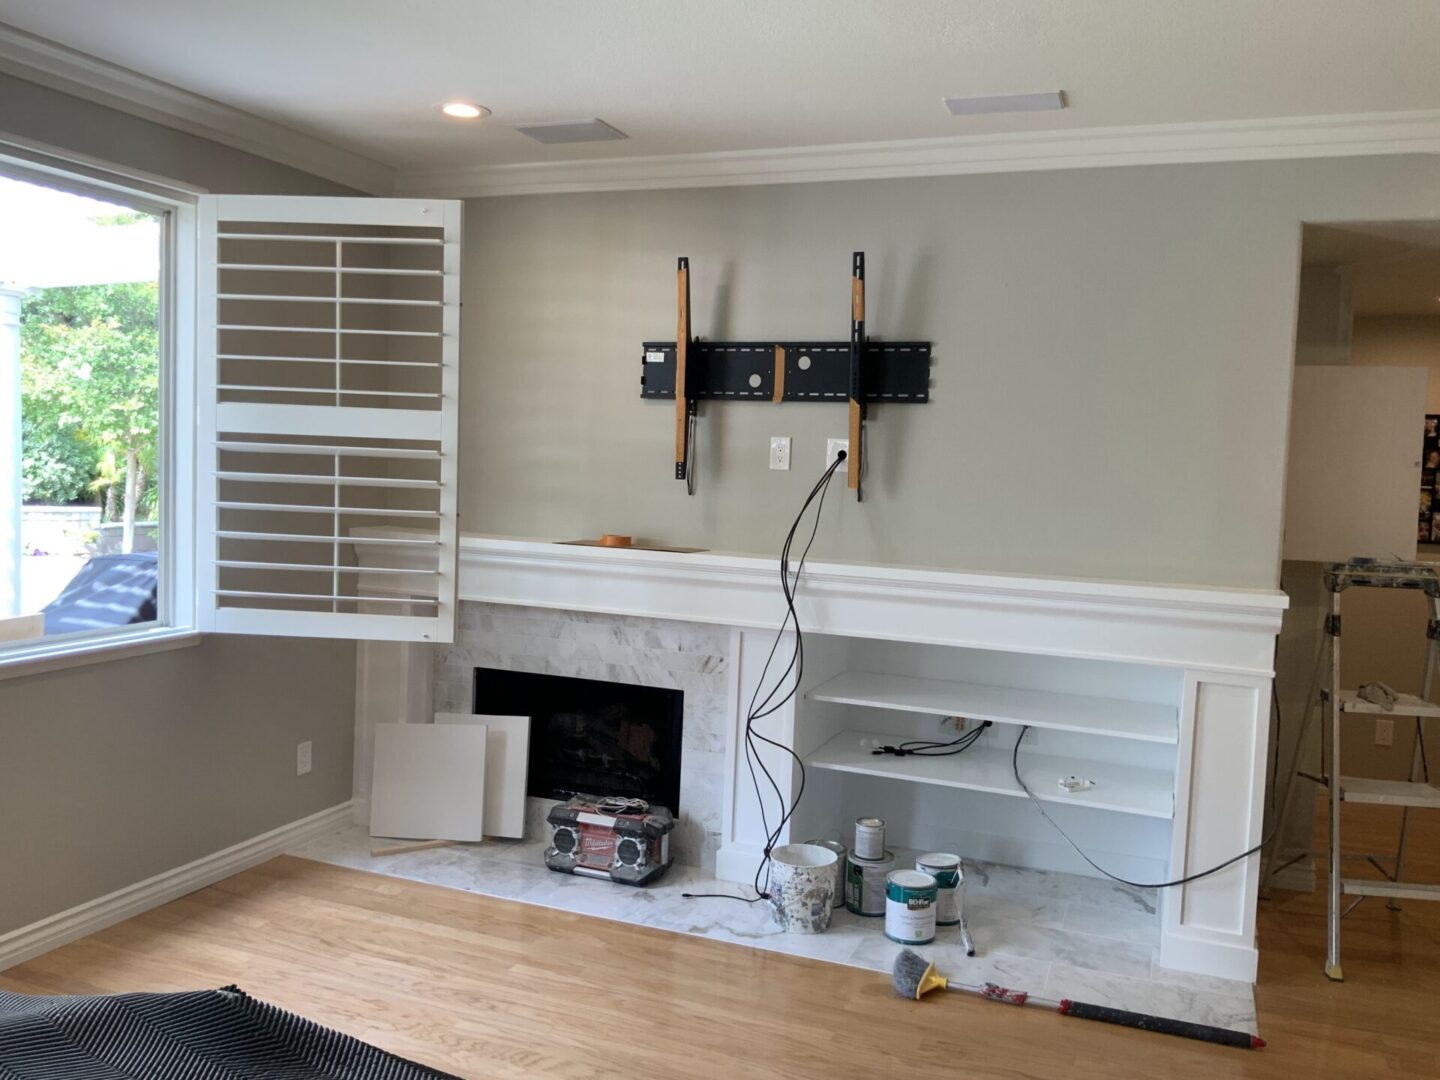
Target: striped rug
[200, 1035]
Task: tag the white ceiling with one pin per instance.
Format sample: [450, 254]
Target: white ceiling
[1394, 267]
[693, 76]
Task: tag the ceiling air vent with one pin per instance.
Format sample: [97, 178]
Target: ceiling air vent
[570, 131]
[1003, 103]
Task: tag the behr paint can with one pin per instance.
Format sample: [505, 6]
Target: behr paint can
[869, 838]
[865, 884]
[949, 877]
[841, 858]
[910, 907]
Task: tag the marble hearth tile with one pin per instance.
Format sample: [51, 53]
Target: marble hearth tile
[753, 924]
[466, 868]
[878, 953]
[986, 908]
[1209, 984]
[1062, 946]
[1010, 952]
[702, 785]
[1145, 995]
[1017, 879]
[706, 722]
[706, 663]
[1113, 921]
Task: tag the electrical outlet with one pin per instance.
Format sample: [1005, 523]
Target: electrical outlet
[833, 447]
[302, 758]
[957, 724]
[780, 452]
[1384, 731]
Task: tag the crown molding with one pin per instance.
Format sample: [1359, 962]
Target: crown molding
[1346, 135]
[38, 60]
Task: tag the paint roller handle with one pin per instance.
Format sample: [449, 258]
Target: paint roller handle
[1145, 1022]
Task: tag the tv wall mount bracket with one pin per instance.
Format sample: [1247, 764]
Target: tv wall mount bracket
[860, 372]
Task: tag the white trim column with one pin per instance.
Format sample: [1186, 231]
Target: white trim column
[11, 297]
[743, 826]
[1209, 925]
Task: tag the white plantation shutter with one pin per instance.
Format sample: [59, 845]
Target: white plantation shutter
[328, 384]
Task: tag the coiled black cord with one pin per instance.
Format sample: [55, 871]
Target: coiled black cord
[761, 708]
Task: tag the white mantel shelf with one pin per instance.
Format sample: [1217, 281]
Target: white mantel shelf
[1229, 630]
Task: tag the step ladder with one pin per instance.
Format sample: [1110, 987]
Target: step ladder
[1340, 704]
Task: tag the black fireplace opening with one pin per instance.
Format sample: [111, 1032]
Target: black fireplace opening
[592, 737]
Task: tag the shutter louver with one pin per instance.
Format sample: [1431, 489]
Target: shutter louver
[328, 385]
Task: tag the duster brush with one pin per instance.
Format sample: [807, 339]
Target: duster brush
[914, 976]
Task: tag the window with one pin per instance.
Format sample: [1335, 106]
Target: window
[80, 484]
[223, 413]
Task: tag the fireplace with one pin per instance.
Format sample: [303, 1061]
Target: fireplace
[590, 736]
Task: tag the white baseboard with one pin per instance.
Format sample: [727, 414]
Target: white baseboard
[1223, 959]
[53, 931]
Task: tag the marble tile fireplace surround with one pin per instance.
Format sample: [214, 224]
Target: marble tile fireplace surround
[1159, 694]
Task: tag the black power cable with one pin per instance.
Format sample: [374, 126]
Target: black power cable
[761, 708]
[932, 748]
[1015, 767]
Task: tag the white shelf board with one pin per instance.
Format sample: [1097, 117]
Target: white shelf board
[1114, 717]
[1125, 789]
[1406, 705]
[1360, 789]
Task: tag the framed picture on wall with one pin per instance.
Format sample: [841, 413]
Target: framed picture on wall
[1429, 527]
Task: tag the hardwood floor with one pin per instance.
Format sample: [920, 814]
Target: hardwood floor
[492, 988]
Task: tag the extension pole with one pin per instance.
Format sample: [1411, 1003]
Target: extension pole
[913, 976]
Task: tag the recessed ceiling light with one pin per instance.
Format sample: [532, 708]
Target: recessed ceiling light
[1002, 103]
[464, 110]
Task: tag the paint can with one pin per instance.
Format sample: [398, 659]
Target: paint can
[865, 884]
[910, 907]
[869, 838]
[949, 875]
[840, 857]
[802, 887]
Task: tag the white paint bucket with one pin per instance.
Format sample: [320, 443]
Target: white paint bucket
[865, 884]
[910, 907]
[840, 857]
[802, 887]
[869, 838]
[949, 878]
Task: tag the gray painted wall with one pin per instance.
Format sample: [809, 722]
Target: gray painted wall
[1113, 352]
[114, 772]
[111, 773]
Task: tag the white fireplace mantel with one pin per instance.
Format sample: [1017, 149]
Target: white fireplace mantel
[1230, 630]
[1219, 643]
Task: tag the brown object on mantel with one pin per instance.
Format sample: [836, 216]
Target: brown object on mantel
[615, 540]
[631, 545]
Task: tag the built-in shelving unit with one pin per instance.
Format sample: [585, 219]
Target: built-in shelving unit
[1079, 713]
[1126, 789]
[1123, 786]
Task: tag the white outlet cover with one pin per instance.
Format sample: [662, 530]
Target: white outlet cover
[304, 758]
[833, 447]
[780, 452]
